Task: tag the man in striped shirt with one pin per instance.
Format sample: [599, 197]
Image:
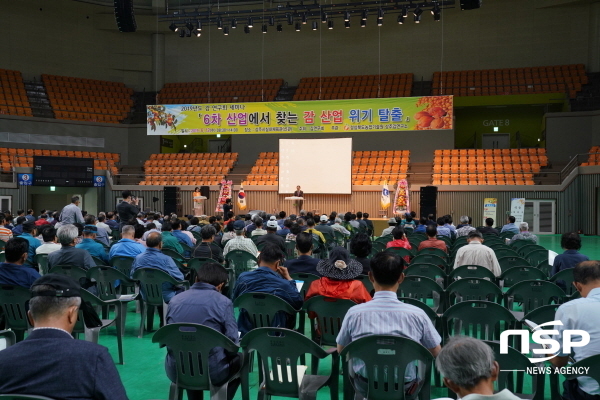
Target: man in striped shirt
[5, 233]
[386, 315]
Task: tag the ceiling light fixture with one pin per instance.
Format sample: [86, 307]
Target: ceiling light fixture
[298, 26]
[279, 27]
[264, 28]
[234, 23]
[304, 19]
[226, 31]
[314, 25]
[173, 27]
[250, 23]
[400, 19]
[219, 23]
[190, 26]
[330, 24]
[346, 16]
[365, 13]
[363, 23]
[323, 17]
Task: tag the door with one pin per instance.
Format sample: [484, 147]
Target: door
[495, 141]
[541, 216]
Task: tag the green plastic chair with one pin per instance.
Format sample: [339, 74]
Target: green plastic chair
[446, 239]
[528, 248]
[307, 279]
[564, 279]
[329, 314]
[428, 270]
[589, 364]
[514, 275]
[116, 235]
[436, 320]
[505, 252]
[430, 259]
[542, 314]
[414, 243]
[12, 301]
[471, 271]
[239, 261]
[173, 254]
[42, 261]
[340, 239]
[106, 279]
[517, 244]
[384, 239]
[365, 280]
[190, 345]
[92, 334]
[377, 247]
[435, 251]
[283, 347]
[545, 267]
[262, 307]
[422, 288]
[122, 264]
[509, 378]
[533, 294]
[195, 264]
[150, 283]
[290, 250]
[393, 352]
[506, 235]
[69, 270]
[509, 262]
[401, 251]
[477, 318]
[472, 289]
[535, 257]
[187, 248]
[98, 261]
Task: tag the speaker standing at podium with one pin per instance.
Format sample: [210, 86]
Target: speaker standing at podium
[299, 203]
[198, 206]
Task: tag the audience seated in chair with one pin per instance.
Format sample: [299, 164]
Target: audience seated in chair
[126, 246]
[338, 273]
[400, 240]
[475, 253]
[582, 314]
[49, 237]
[240, 242]
[392, 224]
[13, 271]
[272, 236]
[488, 228]
[571, 242]
[89, 243]
[524, 234]
[361, 247]
[510, 225]
[386, 315]
[68, 253]
[304, 263]
[204, 304]
[469, 370]
[272, 278]
[30, 234]
[49, 357]
[464, 227]
[101, 234]
[207, 248]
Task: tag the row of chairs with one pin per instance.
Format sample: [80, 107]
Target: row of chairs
[594, 157]
[185, 163]
[181, 180]
[194, 156]
[187, 170]
[483, 179]
[13, 96]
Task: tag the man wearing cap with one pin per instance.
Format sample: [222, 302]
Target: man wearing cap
[126, 246]
[239, 242]
[68, 254]
[50, 362]
[323, 226]
[154, 258]
[89, 243]
[392, 224]
[29, 233]
[12, 271]
[272, 236]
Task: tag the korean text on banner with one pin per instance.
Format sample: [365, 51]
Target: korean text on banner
[360, 115]
[517, 209]
[489, 208]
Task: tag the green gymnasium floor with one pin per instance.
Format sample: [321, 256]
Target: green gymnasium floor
[143, 373]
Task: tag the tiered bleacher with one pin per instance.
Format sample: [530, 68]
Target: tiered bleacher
[594, 157]
[220, 92]
[491, 82]
[265, 170]
[354, 87]
[81, 99]
[377, 167]
[188, 168]
[13, 157]
[13, 97]
[488, 166]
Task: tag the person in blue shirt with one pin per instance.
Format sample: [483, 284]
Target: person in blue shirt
[205, 304]
[422, 225]
[443, 230]
[89, 243]
[154, 258]
[29, 233]
[272, 278]
[180, 236]
[571, 242]
[127, 246]
[511, 226]
[110, 221]
[13, 272]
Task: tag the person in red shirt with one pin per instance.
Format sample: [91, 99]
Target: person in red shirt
[42, 220]
[432, 240]
[400, 240]
[338, 273]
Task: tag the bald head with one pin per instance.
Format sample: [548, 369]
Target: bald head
[154, 240]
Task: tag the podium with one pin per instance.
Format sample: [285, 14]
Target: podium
[199, 205]
[298, 200]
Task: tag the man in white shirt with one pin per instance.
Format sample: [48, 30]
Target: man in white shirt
[259, 231]
[339, 228]
[582, 314]
[49, 245]
[239, 242]
[475, 253]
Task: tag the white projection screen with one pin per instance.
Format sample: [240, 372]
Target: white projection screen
[317, 165]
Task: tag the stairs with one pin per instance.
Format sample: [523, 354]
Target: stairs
[130, 175]
[286, 93]
[238, 173]
[588, 99]
[420, 174]
[38, 99]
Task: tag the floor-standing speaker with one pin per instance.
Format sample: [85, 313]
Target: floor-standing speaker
[205, 191]
[428, 201]
[172, 201]
[124, 16]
